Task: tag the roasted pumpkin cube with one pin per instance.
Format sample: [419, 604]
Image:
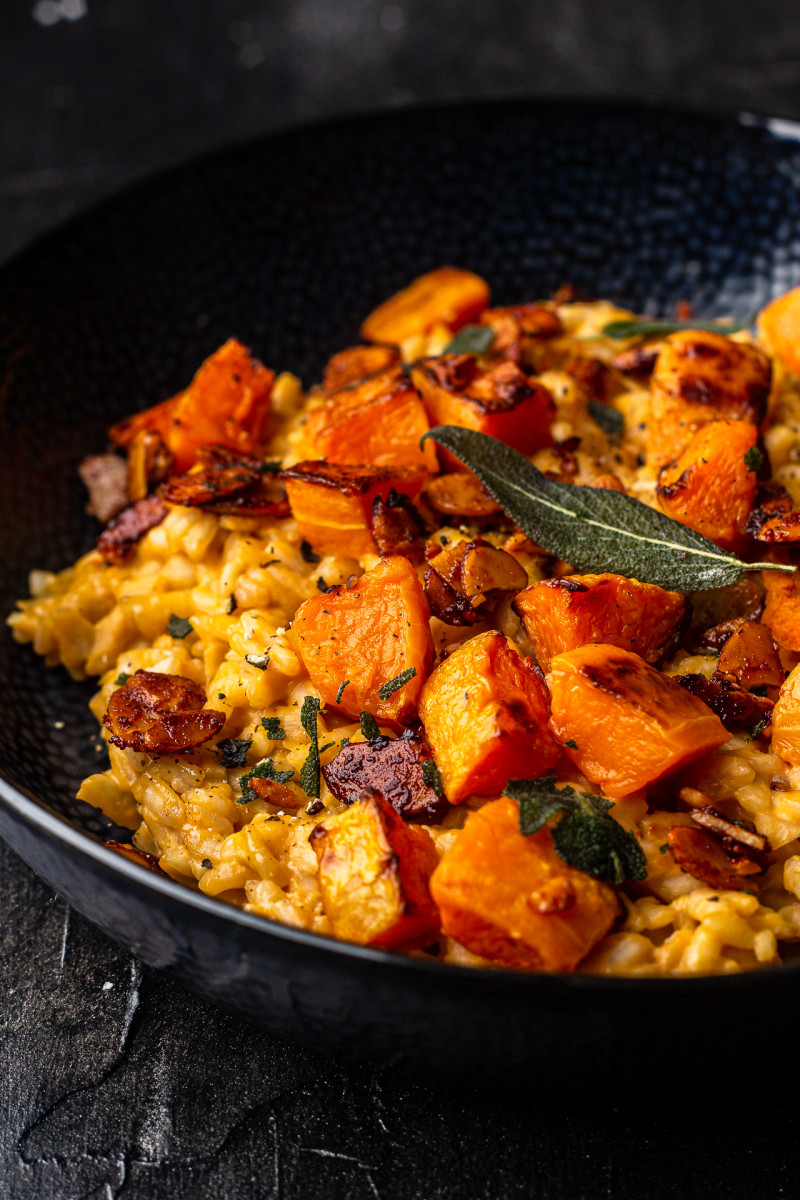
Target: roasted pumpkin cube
[356, 640]
[448, 296]
[711, 485]
[782, 609]
[786, 720]
[779, 327]
[624, 724]
[379, 421]
[374, 875]
[513, 900]
[699, 377]
[332, 502]
[226, 403]
[485, 715]
[355, 364]
[562, 614]
[502, 401]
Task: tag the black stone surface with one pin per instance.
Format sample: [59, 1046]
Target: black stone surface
[138, 1089]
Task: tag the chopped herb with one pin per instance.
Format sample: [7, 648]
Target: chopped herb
[344, 742]
[573, 745]
[327, 746]
[593, 529]
[322, 586]
[626, 329]
[234, 751]
[758, 729]
[340, 692]
[393, 685]
[123, 677]
[220, 695]
[369, 728]
[178, 627]
[754, 459]
[472, 339]
[310, 772]
[586, 836]
[610, 421]
[262, 770]
[273, 728]
[257, 660]
[662, 849]
[432, 775]
[269, 468]
[231, 604]
[206, 864]
[308, 554]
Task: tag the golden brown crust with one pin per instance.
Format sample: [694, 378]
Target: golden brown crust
[154, 713]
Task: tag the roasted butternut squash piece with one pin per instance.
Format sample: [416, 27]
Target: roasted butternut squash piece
[485, 715]
[624, 724]
[226, 403]
[750, 657]
[513, 900]
[332, 502]
[779, 327]
[374, 874]
[562, 614]
[711, 485]
[699, 377]
[782, 609]
[786, 721]
[447, 296]
[351, 366]
[502, 401]
[355, 641]
[380, 422]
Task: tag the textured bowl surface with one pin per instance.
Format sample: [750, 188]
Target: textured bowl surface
[287, 243]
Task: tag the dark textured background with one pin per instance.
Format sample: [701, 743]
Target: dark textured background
[113, 1082]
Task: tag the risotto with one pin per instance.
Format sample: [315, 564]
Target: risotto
[346, 686]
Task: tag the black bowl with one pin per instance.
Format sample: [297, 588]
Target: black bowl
[287, 243]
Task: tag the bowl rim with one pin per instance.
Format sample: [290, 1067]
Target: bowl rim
[39, 815]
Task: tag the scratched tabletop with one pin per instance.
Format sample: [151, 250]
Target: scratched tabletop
[114, 1081]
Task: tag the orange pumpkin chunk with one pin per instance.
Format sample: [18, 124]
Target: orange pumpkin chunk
[366, 635]
[380, 421]
[786, 721]
[226, 403]
[374, 874]
[624, 724]
[782, 609]
[502, 402]
[562, 614]
[513, 900]
[699, 377]
[485, 715]
[779, 326]
[447, 296]
[332, 502]
[351, 366]
[710, 486]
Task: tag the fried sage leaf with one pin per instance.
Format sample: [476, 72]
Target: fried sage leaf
[587, 836]
[472, 339]
[593, 529]
[626, 329]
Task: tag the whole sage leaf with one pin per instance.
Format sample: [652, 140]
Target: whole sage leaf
[626, 329]
[593, 529]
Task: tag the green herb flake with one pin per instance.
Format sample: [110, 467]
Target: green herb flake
[270, 468]
[273, 728]
[586, 836]
[234, 751]
[259, 661]
[393, 685]
[206, 864]
[754, 459]
[627, 329]
[663, 848]
[178, 627]
[432, 775]
[310, 770]
[122, 678]
[262, 770]
[609, 420]
[758, 729]
[593, 529]
[369, 728]
[340, 692]
[308, 554]
[472, 339]
[573, 745]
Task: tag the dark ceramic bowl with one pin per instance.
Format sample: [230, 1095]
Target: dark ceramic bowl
[287, 243]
